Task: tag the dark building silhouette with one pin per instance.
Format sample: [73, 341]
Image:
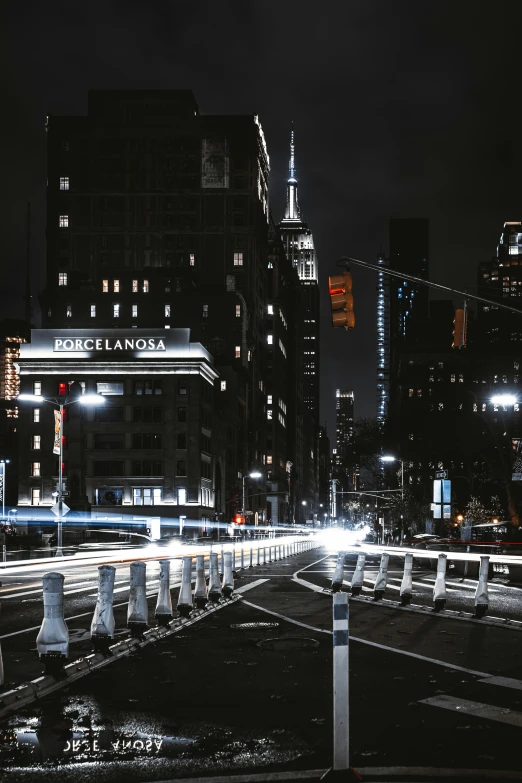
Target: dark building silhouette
[344, 459]
[501, 281]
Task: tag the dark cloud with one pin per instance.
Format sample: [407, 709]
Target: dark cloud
[401, 108]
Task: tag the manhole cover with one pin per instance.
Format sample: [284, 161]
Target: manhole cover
[248, 626]
[288, 643]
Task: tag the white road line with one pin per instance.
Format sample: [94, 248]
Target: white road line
[374, 644]
[475, 708]
[250, 585]
[503, 682]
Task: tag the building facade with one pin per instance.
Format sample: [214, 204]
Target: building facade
[149, 444]
[299, 247]
[344, 458]
[501, 280]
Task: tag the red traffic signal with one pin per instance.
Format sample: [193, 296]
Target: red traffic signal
[461, 328]
[239, 519]
[341, 300]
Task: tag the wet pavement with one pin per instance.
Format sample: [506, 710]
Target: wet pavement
[246, 689]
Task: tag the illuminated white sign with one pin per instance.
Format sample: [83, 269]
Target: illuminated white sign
[109, 344]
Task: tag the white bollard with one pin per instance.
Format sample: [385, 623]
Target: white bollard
[338, 577]
[221, 570]
[52, 642]
[439, 589]
[214, 583]
[258, 555]
[102, 626]
[242, 557]
[228, 576]
[200, 592]
[406, 590]
[185, 591]
[251, 558]
[358, 575]
[137, 611]
[481, 595]
[341, 727]
[264, 555]
[164, 603]
[382, 578]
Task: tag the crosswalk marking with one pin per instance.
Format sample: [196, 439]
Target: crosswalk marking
[503, 682]
[476, 709]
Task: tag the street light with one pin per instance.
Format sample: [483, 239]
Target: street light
[504, 399]
[254, 474]
[84, 399]
[390, 458]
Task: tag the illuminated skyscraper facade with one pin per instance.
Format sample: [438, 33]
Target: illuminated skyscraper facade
[299, 247]
[383, 341]
[501, 280]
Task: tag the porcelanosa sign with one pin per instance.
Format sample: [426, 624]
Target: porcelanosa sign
[109, 344]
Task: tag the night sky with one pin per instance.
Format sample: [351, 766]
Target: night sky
[403, 109]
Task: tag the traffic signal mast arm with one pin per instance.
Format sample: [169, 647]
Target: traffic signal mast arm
[346, 260]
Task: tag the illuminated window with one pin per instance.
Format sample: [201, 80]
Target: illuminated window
[63, 221]
[192, 258]
[68, 312]
[64, 183]
[270, 309]
[35, 469]
[268, 459]
[62, 278]
[36, 442]
[167, 311]
[135, 311]
[475, 407]
[134, 286]
[116, 310]
[145, 288]
[182, 496]
[36, 415]
[37, 388]
[105, 286]
[116, 286]
[238, 259]
[93, 311]
[270, 339]
[223, 385]
[35, 496]
[269, 414]
[238, 311]
[238, 352]
[269, 399]
[205, 311]
[410, 392]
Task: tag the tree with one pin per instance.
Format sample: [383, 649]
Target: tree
[475, 512]
[406, 512]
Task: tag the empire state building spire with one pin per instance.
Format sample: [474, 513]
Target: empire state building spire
[292, 211]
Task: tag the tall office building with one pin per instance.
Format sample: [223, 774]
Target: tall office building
[299, 247]
[344, 458]
[157, 218]
[383, 341]
[409, 252]
[501, 280]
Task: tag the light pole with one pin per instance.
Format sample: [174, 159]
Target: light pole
[3, 463]
[84, 399]
[390, 458]
[254, 474]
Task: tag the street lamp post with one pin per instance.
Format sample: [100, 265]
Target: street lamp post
[390, 458]
[84, 399]
[254, 474]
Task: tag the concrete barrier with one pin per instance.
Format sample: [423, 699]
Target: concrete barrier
[214, 584]
[163, 612]
[382, 578]
[439, 589]
[481, 594]
[406, 590]
[228, 576]
[200, 592]
[52, 642]
[102, 625]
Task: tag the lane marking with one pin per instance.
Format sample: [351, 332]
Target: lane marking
[375, 644]
[475, 708]
[250, 585]
[431, 772]
[504, 682]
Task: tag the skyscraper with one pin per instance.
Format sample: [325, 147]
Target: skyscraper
[344, 456]
[501, 280]
[299, 246]
[383, 341]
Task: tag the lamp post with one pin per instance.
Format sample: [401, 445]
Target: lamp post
[390, 458]
[254, 474]
[3, 463]
[84, 399]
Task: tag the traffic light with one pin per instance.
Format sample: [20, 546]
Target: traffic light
[461, 326]
[239, 519]
[340, 287]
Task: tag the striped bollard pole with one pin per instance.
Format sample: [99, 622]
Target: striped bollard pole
[481, 595]
[251, 558]
[382, 578]
[137, 610]
[439, 588]
[341, 674]
[52, 642]
[406, 590]
[163, 612]
[102, 625]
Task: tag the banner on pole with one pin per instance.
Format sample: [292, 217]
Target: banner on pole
[57, 422]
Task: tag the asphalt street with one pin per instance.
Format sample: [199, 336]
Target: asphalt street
[251, 687]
